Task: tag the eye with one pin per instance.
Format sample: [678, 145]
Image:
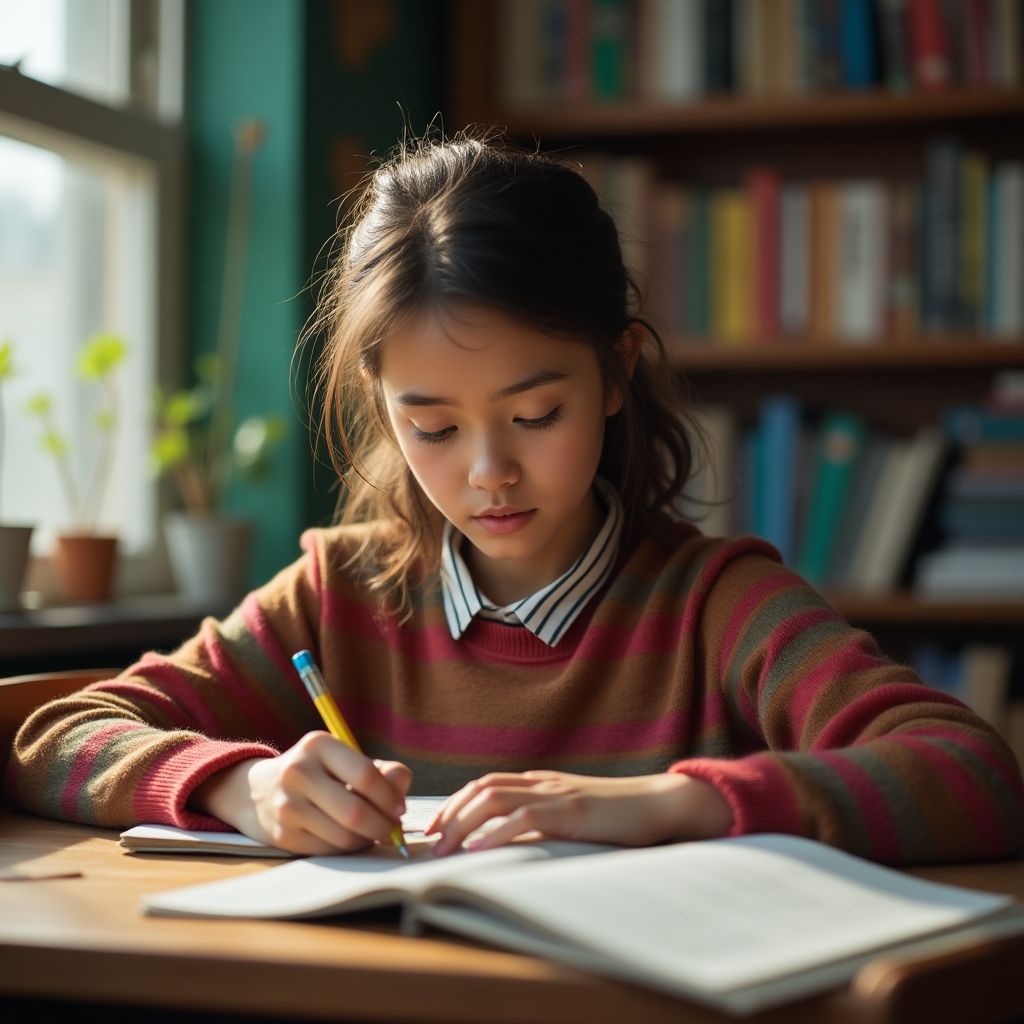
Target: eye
[542, 422]
[432, 436]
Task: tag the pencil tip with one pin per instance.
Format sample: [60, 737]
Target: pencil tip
[404, 851]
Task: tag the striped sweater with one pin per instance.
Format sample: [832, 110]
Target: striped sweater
[701, 656]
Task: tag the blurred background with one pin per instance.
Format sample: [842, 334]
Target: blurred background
[823, 201]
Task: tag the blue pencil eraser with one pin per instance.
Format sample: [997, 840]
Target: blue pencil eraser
[303, 659]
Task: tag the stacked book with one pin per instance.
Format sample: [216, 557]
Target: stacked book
[854, 261]
[842, 501]
[565, 51]
[981, 509]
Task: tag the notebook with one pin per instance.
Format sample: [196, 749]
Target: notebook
[169, 839]
[740, 924]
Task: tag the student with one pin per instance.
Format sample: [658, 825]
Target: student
[509, 611]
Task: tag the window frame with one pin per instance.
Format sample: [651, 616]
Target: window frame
[75, 126]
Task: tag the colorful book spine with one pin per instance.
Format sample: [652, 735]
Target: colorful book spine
[840, 438]
[779, 442]
[764, 187]
[929, 45]
[857, 36]
[609, 48]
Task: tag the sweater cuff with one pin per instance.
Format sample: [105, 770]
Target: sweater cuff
[756, 788]
[164, 790]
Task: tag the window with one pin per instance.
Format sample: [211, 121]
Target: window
[90, 210]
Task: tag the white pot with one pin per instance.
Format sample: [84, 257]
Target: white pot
[14, 542]
[209, 556]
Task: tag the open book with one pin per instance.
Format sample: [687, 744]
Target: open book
[740, 924]
[169, 839]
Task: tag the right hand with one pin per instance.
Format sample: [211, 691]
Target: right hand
[318, 797]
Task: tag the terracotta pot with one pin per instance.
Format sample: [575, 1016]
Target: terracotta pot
[209, 556]
[14, 542]
[84, 564]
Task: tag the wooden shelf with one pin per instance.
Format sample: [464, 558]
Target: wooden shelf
[919, 354]
[907, 609]
[565, 120]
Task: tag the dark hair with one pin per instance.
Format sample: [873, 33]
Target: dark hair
[478, 220]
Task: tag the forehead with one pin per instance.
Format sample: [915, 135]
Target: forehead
[479, 341]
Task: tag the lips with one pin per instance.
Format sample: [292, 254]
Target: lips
[504, 520]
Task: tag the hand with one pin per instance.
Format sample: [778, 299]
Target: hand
[318, 797]
[633, 811]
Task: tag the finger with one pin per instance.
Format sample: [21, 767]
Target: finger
[493, 802]
[350, 810]
[304, 828]
[398, 775]
[361, 775]
[518, 823]
[455, 804]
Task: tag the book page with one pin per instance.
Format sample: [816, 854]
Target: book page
[318, 886]
[169, 839]
[718, 915]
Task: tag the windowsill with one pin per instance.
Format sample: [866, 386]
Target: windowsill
[109, 635]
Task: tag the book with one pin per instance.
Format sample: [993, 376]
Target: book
[776, 472]
[905, 494]
[147, 838]
[678, 918]
[840, 438]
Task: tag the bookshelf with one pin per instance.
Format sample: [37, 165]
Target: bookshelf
[895, 382]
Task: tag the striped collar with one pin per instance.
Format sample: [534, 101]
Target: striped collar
[548, 612]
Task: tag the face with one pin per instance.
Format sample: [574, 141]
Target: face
[503, 428]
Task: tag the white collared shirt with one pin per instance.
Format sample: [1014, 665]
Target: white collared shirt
[548, 612]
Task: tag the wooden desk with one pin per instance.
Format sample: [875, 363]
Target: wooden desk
[81, 939]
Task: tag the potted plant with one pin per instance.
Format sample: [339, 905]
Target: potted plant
[14, 538]
[199, 440]
[84, 558]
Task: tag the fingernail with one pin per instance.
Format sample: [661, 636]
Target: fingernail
[474, 842]
[399, 809]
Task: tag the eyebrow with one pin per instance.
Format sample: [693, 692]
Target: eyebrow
[533, 381]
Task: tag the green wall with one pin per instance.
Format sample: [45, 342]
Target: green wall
[325, 86]
[245, 60]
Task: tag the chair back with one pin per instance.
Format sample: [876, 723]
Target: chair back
[21, 695]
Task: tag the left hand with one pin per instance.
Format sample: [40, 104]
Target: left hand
[633, 811]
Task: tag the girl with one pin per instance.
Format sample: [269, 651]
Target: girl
[508, 611]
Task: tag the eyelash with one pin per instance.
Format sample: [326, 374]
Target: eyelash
[440, 436]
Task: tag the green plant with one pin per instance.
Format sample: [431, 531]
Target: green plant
[188, 443]
[6, 372]
[98, 360]
[196, 437]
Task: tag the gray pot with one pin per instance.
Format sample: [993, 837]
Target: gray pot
[209, 556]
[14, 542]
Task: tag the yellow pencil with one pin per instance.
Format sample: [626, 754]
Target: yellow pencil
[336, 725]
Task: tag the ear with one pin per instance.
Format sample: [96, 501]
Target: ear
[628, 347]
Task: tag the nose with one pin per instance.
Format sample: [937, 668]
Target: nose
[492, 468]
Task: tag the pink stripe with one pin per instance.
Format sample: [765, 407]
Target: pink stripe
[246, 699]
[191, 711]
[653, 634]
[874, 812]
[85, 757]
[744, 610]
[968, 738]
[142, 691]
[846, 725]
[713, 568]
[974, 798]
[757, 788]
[255, 619]
[440, 739]
[163, 791]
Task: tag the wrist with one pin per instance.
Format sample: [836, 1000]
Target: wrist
[226, 794]
[694, 809]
